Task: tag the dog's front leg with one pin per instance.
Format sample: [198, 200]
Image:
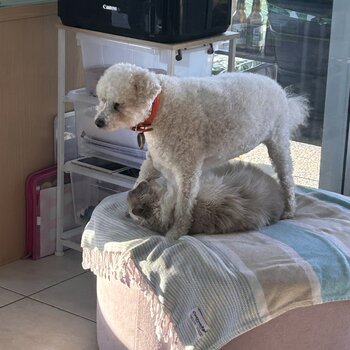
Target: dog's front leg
[147, 171]
[187, 190]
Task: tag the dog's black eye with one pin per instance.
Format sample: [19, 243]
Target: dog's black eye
[116, 107]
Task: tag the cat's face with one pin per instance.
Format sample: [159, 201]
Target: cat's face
[143, 202]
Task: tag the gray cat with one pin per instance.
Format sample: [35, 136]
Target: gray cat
[232, 198]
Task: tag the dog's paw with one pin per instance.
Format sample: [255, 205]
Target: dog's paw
[288, 214]
[289, 209]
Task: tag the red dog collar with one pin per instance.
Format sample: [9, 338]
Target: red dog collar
[145, 126]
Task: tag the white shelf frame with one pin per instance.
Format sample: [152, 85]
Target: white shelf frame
[63, 239]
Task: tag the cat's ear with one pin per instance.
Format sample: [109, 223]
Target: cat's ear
[141, 187]
[141, 212]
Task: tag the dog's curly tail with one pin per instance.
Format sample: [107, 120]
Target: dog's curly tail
[299, 110]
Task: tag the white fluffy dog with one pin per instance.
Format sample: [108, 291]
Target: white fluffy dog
[201, 123]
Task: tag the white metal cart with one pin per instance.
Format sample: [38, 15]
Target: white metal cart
[65, 238]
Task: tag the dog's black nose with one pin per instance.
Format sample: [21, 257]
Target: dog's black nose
[100, 123]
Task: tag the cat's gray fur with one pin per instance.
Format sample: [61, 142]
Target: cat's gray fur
[234, 197]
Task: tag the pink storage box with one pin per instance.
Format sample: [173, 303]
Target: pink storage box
[41, 212]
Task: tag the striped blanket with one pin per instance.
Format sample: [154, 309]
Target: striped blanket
[207, 290]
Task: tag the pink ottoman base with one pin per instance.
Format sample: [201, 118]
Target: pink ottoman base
[124, 322]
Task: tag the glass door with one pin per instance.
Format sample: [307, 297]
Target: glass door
[305, 46]
[335, 159]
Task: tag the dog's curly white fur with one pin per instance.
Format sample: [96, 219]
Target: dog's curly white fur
[202, 122]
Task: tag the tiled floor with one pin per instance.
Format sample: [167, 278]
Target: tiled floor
[48, 304]
[306, 162]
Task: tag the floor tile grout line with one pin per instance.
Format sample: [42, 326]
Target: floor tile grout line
[47, 304]
[58, 308]
[56, 284]
[12, 302]
[41, 290]
[12, 291]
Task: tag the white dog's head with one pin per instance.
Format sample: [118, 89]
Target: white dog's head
[126, 93]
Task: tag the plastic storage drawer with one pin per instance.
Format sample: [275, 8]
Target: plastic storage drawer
[100, 53]
[88, 192]
[70, 137]
[94, 141]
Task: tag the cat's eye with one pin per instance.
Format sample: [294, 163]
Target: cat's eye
[116, 106]
[138, 211]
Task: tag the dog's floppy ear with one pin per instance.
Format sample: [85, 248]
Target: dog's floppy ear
[146, 85]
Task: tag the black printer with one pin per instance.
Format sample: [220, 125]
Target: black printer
[166, 21]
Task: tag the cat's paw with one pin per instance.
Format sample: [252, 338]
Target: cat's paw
[173, 234]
